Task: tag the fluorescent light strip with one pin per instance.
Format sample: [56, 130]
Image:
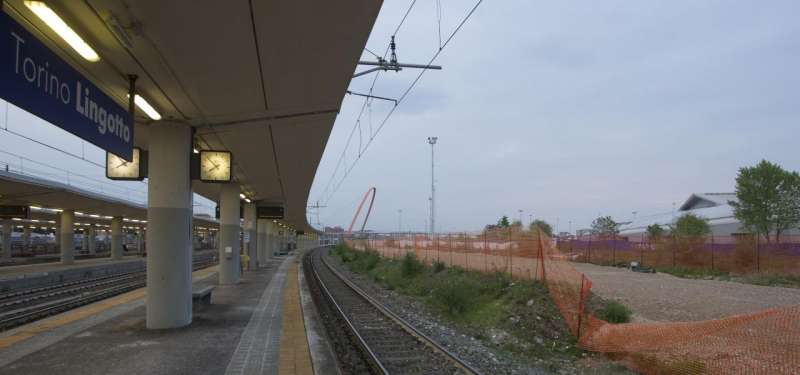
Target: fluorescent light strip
[49, 17]
[146, 107]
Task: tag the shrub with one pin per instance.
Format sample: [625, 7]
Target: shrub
[456, 296]
[496, 284]
[438, 266]
[410, 266]
[615, 312]
[365, 261]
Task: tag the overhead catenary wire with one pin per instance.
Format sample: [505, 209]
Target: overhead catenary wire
[399, 100]
[366, 100]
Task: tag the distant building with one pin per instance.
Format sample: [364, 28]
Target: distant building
[714, 207]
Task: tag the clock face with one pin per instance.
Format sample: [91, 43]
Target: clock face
[118, 168]
[215, 166]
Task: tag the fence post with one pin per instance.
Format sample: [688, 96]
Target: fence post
[674, 245]
[758, 253]
[580, 307]
[466, 252]
[589, 250]
[416, 252]
[485, 253]
[541, 258]
[614, 250]
[510, 260]
[436, 238]
[641, 248]
[712, 252]
[450, 248]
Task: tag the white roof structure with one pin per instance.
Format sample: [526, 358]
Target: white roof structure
[714, 207]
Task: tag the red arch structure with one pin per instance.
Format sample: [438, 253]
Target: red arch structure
[360, 206]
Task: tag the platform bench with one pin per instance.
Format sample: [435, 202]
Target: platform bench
[202, 296]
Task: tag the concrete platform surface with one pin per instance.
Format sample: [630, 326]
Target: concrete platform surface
[241, 332]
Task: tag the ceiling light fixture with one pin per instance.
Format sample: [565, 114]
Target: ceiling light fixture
[51, 19]
[146, 107]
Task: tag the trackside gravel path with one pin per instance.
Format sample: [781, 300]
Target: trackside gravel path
[663, 297]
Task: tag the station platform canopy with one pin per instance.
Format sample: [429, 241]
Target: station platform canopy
[261, 79]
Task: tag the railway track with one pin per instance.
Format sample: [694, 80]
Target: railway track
[27, 305]
[384, 343]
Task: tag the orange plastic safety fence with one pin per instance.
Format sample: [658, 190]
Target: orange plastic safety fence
[765, 342]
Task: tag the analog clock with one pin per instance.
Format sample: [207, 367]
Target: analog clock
[118, 168]
[215, 166]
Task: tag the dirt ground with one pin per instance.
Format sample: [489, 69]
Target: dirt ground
[663, 297]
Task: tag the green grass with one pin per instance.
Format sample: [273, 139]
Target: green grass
[763, 279]
[695, 273]
[771, 279]
[479, 303]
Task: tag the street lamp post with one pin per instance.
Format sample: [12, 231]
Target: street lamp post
[432, 142]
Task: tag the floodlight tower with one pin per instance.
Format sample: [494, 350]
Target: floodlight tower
[432, 142]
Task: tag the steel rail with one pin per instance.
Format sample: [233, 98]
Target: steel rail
[372, 358]
[109, 287]
[402, 323]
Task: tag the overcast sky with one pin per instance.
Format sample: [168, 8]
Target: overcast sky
[570, 109]
[566, 110]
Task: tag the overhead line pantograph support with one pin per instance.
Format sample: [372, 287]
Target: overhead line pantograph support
[391, 64]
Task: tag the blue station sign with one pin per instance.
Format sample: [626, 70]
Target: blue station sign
[35, 79]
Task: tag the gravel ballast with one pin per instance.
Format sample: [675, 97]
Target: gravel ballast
[666, 298]
[479, 353]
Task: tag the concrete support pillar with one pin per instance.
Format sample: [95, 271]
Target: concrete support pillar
[67, 236]
[116, 238]
[263, 241]
[229, 245]
[251, 230]
[8, 227]
[169, 227]
[92, 247]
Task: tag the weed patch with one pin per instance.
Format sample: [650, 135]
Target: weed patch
[517, 317]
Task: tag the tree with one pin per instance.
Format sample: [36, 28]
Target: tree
[691, 226]
[542, 226]
[655, 231]
[503, 222]
[768, 199]
[605, 226]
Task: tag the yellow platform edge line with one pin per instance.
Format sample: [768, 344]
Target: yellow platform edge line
[29, 330]
[295, 356]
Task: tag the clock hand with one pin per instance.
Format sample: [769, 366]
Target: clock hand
[212, 162]
[124, 163]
